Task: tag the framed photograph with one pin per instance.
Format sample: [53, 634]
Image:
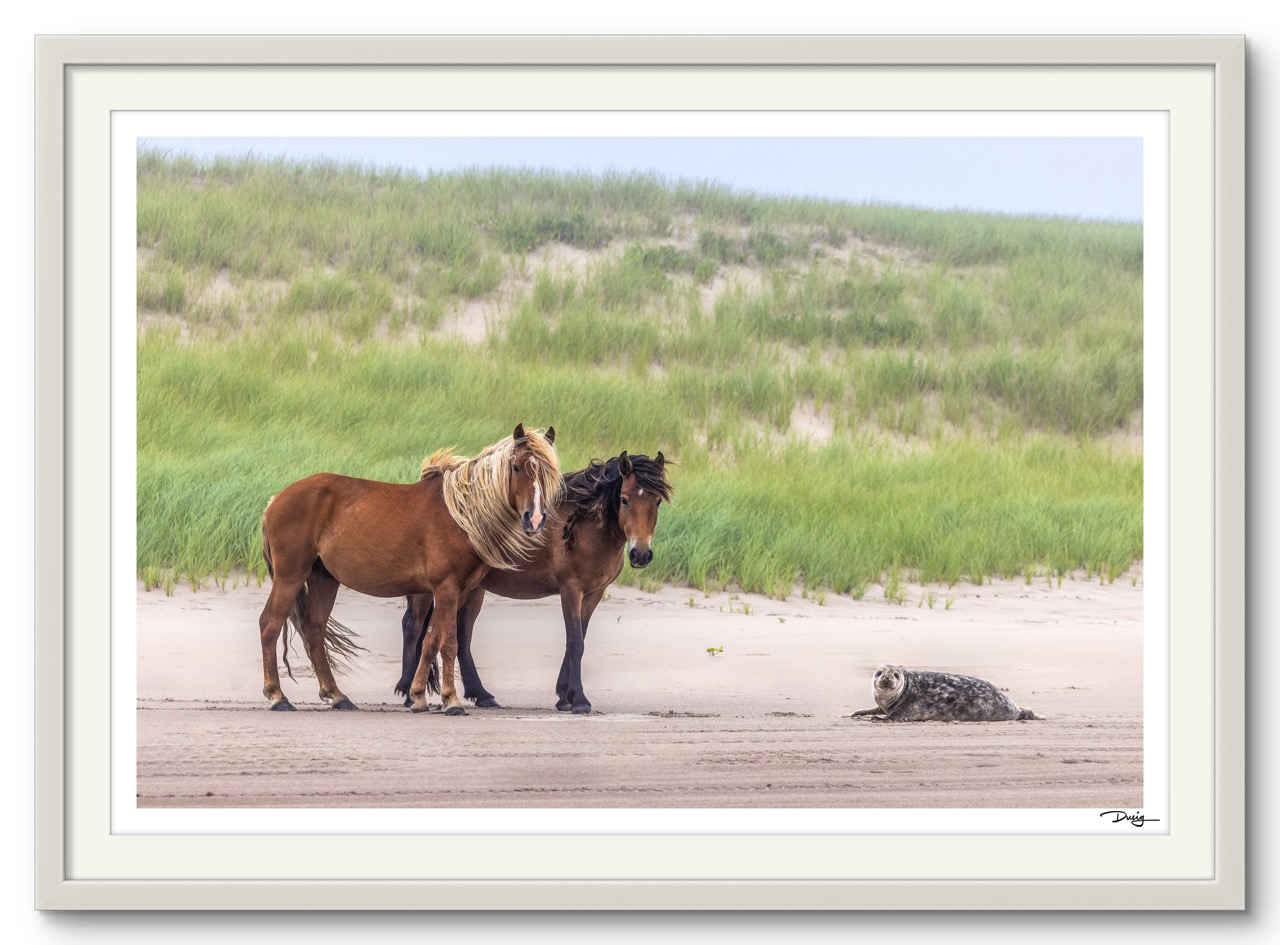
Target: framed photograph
[895, 380]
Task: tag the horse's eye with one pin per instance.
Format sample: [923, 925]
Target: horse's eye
[516, 470]
[623, 499]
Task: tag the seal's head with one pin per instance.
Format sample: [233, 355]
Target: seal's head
[887, 684]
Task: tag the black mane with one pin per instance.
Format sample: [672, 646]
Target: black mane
[593, 492]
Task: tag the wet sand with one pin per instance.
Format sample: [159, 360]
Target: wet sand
[764, 723]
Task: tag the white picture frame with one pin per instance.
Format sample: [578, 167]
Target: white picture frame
[1198, 81]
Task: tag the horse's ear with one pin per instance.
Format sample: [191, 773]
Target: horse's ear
[519, 433]
[551, 434]
[660, 459]
[624, 464]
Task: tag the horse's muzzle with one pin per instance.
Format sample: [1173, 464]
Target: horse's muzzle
[529, 526]
[640, 557]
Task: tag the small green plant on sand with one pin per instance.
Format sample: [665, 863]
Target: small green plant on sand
[894, 592]
[713, 650]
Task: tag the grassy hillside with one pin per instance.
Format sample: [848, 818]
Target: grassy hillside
[850, 392]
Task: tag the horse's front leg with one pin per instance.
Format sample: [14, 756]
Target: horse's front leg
[446, 612]
[569, 685]
[442, 638]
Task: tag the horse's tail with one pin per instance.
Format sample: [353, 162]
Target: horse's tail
[266, 547]
[433, 682]
[293, 622]
[433, 672]
[339, 639]
[340, 644]
[299, 603]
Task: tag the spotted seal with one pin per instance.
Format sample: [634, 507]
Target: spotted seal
[904, 695]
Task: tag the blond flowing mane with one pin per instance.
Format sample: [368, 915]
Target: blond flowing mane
[475, 492]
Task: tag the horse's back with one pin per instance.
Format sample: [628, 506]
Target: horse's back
[311, 496]
[381, 538]
[317, 503]
[334, 487]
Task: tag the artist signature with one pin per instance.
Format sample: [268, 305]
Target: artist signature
[1136, 819]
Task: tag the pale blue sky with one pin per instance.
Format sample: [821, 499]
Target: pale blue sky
[1088, 177]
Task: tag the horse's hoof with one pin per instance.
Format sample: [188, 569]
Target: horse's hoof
[284, 705]
[455, 710]
[419, 708]
[487, 702]
[345, 703]
[563, 706]
[582, 709]
[408, 703]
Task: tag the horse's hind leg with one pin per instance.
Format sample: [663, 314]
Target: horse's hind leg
[413, 630]
[472, 687]
[322, 591]
[270, 624]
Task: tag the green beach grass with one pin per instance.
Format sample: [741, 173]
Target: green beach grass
[848, 392]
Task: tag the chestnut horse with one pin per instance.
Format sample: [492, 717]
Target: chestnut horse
[605, 508]
[440, 535]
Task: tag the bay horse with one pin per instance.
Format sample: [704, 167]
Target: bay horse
[440, 535]
[605, 509]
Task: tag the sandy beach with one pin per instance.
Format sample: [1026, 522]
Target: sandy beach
[765, 722]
